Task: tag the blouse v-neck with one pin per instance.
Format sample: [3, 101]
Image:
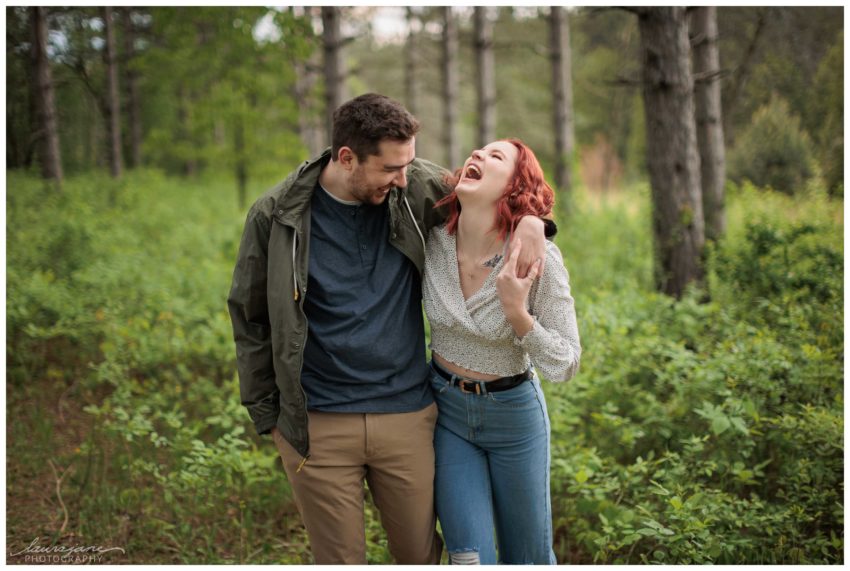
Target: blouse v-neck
[494, 271]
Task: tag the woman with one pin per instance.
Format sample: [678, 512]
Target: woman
[487, 328]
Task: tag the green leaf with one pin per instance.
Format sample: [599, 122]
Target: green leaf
[739, 424]
[719, 425]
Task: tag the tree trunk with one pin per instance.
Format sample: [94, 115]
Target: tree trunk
[34, 141]
[131, 85]
[113, 102]
[671, 146]
[562, 99]
[709, 119]
[241, 166]
[411, 59]
[335, 73]
[42, 86]
[12, 146]
[310, 132]
[485, 76]
[306, 76]
[450, 85]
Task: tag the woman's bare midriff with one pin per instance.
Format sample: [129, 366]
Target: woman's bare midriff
[463, 371]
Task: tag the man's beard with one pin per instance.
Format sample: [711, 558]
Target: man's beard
[361, 191]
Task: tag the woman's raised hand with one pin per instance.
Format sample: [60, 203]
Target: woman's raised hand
[513, 291]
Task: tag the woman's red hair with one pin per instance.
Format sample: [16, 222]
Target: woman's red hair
[527, 194]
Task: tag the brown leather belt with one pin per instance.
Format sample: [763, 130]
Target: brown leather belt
[477, 387]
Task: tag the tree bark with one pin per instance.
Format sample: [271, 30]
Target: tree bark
[450, 85]
[310, 132]
[562, 98]
[709, 119]
[131, 85]
[113, 101]
[672, 155]
[485, 76]
[310, 125]
[335, 73]
[411, 61]
[45, 105]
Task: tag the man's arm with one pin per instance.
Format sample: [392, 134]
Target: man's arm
[531, 233]
[249, 315]
[430, 180]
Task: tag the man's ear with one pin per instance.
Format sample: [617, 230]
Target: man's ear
[347, 158]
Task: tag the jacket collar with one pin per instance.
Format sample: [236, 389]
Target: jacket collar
[293, 201]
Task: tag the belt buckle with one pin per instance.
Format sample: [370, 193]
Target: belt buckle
[462, 386]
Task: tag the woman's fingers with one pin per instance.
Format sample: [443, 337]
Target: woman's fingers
[534, 271]
[510, 263]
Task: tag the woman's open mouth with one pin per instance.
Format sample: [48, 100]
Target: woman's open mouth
[473, 172]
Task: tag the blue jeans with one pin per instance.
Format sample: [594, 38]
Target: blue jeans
[492, 455]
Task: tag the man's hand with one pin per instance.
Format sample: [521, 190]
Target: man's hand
[530, 232]
[513, 291]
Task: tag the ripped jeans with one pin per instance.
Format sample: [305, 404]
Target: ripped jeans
[492, 456]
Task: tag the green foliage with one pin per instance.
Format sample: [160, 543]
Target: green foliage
[19, 153]
[221, 91]
[696, 432]
[829, 94]
[124, 306]
[211, 92]
[774, 49]
[773, 151]
[636, 144]
[705, 432]
[217, 90]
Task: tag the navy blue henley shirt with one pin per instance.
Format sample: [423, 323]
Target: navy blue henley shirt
[365, 349]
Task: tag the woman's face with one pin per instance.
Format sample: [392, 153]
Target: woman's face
[487, 172]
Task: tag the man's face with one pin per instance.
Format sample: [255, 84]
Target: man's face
[371, 180]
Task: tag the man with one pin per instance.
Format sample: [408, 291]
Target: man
[327, 319]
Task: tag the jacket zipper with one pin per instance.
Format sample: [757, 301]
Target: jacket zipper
[296, 296]
[294, 273]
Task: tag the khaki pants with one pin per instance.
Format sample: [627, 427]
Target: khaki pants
[395, 454]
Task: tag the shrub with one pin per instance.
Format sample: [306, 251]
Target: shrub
[829, 105]
[773, 151]
[695, 432]
[707, 432]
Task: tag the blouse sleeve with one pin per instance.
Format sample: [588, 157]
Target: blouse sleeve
[553, 342]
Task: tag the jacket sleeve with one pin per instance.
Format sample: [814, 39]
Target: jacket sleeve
[248, 306]
[553, 342]
[432, 182]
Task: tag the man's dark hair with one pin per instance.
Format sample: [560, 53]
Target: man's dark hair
[363, 122]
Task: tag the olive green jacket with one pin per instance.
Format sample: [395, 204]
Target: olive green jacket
[266, 300]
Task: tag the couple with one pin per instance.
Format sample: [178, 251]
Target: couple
[326, 305]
